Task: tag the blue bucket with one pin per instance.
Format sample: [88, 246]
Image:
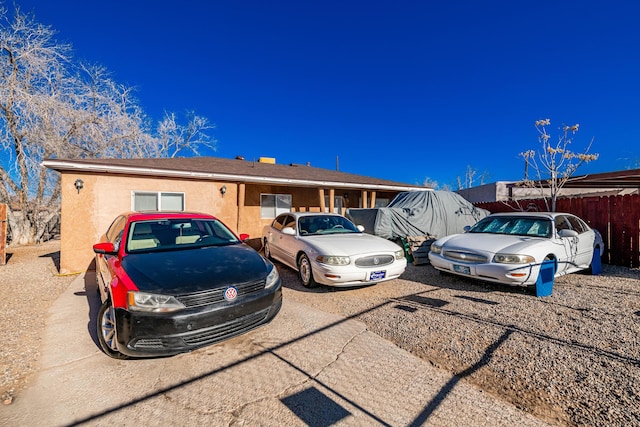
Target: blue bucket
[544, 284]
[596, 263]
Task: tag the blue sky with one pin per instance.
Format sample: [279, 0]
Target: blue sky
[399, 90]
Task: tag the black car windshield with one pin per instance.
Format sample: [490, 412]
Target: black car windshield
[514, 225]
[313, 225]
[168, 234]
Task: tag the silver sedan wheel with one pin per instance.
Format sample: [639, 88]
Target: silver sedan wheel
[267, 250]
[305, 272]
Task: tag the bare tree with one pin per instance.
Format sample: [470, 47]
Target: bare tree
[430, 183]
[550, 168]
[51, 107]
[470, 179]
[174, 139]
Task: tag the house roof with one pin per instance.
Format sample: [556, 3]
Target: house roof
[620, 179]
[609, 180]
[234, 170]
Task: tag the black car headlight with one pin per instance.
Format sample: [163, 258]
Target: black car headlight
[272, 277]
[156, 303]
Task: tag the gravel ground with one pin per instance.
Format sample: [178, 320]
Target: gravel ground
[572, 358]
[29, 284]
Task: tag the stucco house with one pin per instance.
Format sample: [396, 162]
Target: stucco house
[246, 195]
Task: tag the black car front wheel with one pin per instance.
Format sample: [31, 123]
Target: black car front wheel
[106, 326]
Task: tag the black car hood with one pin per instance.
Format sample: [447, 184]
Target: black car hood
[193, 270]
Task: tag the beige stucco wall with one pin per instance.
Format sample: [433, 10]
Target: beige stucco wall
[87, 214]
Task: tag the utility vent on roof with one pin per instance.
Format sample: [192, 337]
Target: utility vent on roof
[270, 160]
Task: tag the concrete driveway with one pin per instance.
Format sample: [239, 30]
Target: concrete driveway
[307, 367]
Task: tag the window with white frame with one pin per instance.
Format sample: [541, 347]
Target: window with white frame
[157, 201]
[272, 205]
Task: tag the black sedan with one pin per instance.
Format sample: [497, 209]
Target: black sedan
[173, 282]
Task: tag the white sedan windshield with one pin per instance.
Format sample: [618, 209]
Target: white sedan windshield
[535, 227]
[325, 224]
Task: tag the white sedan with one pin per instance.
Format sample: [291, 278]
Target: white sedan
[329, 249]
[509, 248]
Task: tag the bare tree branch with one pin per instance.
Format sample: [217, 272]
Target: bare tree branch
[53, 108]
[554, 164]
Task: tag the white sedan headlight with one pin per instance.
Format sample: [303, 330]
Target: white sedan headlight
[436, 249]
[399, 254]
[333, 260]
[157, 303]
[513, 259]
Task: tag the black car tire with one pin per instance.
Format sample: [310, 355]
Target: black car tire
[106, 329]
[305, 272]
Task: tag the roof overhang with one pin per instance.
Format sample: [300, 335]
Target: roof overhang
[71, 166]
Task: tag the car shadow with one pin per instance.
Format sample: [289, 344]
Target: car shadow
[428, 275]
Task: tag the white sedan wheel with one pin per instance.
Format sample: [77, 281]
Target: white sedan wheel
[305, 272]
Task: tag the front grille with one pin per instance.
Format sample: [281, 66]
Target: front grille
[465, 256]
[214, 296]
[375, 261]
[226, 330]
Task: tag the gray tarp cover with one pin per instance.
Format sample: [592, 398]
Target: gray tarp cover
[419, 213]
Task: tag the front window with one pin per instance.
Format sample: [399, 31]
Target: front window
[272, 205]
[116, 228]
[180, 233]
[577, 224]
[337, 204]
[157, 201]
[518, 226]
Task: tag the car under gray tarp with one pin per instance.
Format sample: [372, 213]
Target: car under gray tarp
[419, 213]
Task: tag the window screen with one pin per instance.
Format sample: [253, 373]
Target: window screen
[157, 201]
[272, 205]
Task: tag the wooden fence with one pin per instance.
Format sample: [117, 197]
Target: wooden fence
[617, 218]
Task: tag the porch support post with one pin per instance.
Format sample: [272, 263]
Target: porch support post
[364, 198]
[373, 199]
[332, 193]
[321, 197]
[241, 198]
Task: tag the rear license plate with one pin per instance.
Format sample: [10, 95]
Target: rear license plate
[377, 275]
[461, 269]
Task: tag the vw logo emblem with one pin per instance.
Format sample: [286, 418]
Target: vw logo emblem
[230, 293]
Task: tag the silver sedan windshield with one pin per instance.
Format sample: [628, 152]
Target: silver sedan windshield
[325, 224]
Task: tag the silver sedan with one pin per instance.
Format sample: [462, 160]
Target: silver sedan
[329, 249]
[510, 248]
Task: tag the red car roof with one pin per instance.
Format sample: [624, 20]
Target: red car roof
[141, 216]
